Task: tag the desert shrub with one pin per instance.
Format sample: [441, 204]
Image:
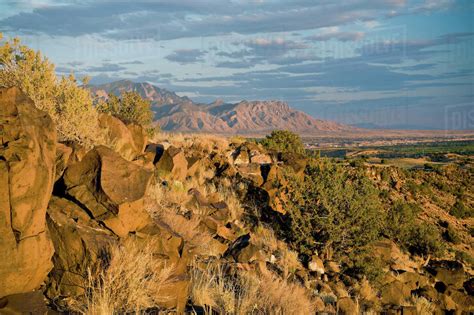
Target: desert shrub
[69, 105]
[284, 141]
[400, 218]
[130, 107]
[358, 163]
[465, 257]
[451, 235]
[424, 239]
[364, 262]
[333, 208]
[460, 211]
[132, 282]
[418, 238]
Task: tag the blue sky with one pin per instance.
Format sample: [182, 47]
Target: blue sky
[389, 63]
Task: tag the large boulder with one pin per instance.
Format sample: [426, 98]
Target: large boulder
[128, 141]
[79, 242]
[111, 188]
[27, 170]
[173, 163]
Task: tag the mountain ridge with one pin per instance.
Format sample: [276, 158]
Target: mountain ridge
[180, 113]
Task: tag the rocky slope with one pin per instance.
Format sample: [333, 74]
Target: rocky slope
[174, 113]
[205, 208]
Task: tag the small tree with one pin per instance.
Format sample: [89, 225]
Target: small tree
[333, 208]
[284, 141]
[129, 108]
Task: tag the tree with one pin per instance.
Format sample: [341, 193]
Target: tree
[129, 108]
[284, 141]
[333, 207]
[69, 105]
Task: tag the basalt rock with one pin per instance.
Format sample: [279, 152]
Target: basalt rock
[129, 141]
[111, 189]
[79, 242]
[63, 155]
[173, 163]
[27, 171]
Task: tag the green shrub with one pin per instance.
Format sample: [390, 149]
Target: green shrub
[69, 105]
[451, 235]
[400, 218]
[333, 208]
[460, 211]
[424, 239]
[465, 257]
[129, 108]
[284, 141]
[364, 263]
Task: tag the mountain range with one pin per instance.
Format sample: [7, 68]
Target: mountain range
[180, 113]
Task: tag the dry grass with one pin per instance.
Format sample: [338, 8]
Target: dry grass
[202, 142]
[287, 259]
[131, 283]
[247, 292]
[165, 205]
[423, 306]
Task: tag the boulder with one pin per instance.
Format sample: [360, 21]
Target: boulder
[27, 171]
[251, 171]
[139, 137]
[449, 272]
[391, 255]
[24, 303]
[128, 141]
[79, 242]
[111, 189]
[63, 154]
[296, 161]
[395, 293]
[241, 156]
[173, 163]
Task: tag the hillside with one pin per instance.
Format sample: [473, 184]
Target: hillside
[175, 113]
[199, 224]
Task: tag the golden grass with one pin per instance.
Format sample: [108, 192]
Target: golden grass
[264, 237]
[423, 306]
[203, 142]
[131, 283]
[247, 292]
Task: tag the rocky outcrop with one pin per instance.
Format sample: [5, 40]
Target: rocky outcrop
[111, 189]
[128, 141]
[27, 171]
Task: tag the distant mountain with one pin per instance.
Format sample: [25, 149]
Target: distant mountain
[175, 113]
[156, 95]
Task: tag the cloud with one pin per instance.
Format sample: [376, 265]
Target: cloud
[134, 62]
[396, 51]
[105, 67]
[166, 19]
[341, 36]
[263, 51]
[185, 56]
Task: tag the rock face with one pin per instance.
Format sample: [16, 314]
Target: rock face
[111, 188]
[27, 171]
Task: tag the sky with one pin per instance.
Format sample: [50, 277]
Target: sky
[372, 63]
